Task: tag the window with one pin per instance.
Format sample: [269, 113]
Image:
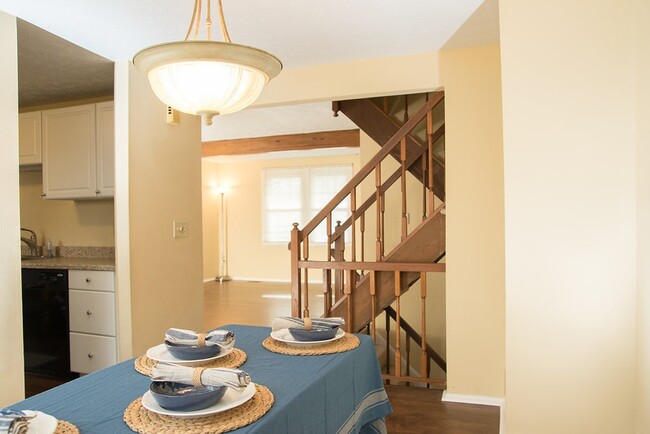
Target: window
[296, 195]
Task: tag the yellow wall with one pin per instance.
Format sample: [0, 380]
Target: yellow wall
[11, 350]
[64, 222]
[569, 123]
[643, 215]
[475, 222]
[163, 284]
[248, 257]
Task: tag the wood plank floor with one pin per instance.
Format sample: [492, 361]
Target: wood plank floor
[415, 410]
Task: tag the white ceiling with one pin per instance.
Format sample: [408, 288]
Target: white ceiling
[299, 32]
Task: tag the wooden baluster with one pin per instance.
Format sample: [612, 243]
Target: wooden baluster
[398, 352]
[408, 358]
[425, 175]
[385, 104]
[328, 230]
[305, 254]
[295, 272]
[403, 187]
[387, 341]
[339, 256]
[383, 225]
[349, 291]
[430, 158]
[424, 366]
[406, 108]
[378, 248]
[373, 306]
[327, 292]
[362, 229]
[353, 207]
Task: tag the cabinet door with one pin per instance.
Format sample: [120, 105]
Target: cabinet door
[29, 138]
[90, 353]
[69, 152]
[105, 149]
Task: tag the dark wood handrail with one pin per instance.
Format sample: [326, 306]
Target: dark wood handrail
[411, 333]
[392, 143]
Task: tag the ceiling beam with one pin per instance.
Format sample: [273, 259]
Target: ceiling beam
[290, 142]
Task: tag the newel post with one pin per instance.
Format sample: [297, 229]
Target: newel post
[294, 247]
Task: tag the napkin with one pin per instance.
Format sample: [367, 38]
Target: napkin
[316, 323]
[13, 422]
[224, 338]
[235, 378]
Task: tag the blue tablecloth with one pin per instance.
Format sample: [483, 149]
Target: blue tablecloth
[337, 393]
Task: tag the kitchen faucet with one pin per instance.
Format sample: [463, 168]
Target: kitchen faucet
[31, 241]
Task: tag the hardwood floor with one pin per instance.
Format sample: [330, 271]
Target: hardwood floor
[415, 410]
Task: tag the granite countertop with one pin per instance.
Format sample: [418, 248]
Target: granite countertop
[71, 263]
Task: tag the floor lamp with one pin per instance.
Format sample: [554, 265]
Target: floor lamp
[222, 239]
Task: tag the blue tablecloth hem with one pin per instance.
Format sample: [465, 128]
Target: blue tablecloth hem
[372, 407]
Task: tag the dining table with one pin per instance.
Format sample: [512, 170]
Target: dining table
[330, 393]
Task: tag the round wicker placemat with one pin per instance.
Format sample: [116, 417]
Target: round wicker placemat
[143, 421]
[63, 427]
[346, 343]
[235, 359]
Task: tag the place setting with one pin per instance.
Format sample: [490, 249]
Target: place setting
[214, 349]
[309, 336]
[33, 422]
[189, 394]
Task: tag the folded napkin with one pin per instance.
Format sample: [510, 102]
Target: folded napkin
[13, 422]
[235, 378]
[316, 323]
[224, 338]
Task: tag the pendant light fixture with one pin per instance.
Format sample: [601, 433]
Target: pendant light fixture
[204, 77]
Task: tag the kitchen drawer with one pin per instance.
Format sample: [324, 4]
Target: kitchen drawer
[89, 353]
[92, 312]
[91, 280]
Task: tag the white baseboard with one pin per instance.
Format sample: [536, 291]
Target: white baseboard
[480, 400]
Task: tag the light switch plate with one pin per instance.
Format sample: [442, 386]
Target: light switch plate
[181, 229]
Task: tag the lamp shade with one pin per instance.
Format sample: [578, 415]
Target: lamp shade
[207, 78]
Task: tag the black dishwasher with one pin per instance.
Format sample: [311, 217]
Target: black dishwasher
[46, 323]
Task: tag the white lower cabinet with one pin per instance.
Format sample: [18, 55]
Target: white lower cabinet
[93, 344]
[89, 353]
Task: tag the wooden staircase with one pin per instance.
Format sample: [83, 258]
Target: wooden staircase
[359, 289]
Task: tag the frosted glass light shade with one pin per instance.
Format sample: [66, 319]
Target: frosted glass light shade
[207, 78]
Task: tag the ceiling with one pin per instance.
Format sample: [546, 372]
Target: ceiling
[299, 32]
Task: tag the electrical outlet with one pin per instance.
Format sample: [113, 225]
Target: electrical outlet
[181, 229]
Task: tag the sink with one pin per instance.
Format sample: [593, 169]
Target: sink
[30, 257]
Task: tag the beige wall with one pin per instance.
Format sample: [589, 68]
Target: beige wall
[475, 221]
[643, 215]
[211, 201]
[64, 222]
[164, 185]
[11, 350]
[569, 126]
[248, 257]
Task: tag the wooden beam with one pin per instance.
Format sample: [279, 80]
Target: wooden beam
[290, 142]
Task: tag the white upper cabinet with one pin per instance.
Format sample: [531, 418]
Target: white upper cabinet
[29, 138]
[78, 152]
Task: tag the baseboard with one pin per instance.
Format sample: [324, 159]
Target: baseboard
[480, 400]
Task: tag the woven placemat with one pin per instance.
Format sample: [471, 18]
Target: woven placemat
[143, 421]
[346, 343]
[234, 359]
[63, 427]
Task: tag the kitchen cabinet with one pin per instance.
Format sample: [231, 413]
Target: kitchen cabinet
[93, 342]
[78, 152]
[29, 139]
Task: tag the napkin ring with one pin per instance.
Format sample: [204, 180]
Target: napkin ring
[307, 321]
[201, 339]
[196, 377]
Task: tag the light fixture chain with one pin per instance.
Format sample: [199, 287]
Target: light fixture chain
[193, 20]
[208, 22]
[222, 22]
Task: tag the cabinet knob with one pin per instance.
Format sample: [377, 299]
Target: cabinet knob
[91, 355]
[97, 192]
[88, 280]
[42, 194]
[88, 312]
